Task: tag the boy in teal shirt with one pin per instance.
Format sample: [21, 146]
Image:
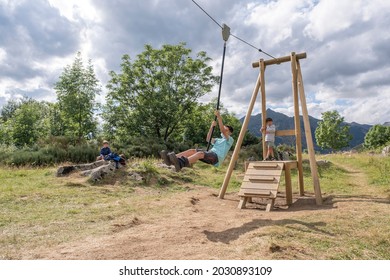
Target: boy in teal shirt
[215, 156]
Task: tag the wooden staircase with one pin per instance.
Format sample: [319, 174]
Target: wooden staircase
[261, 180]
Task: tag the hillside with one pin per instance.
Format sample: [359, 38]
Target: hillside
[283, 122]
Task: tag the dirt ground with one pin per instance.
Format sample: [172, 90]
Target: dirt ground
[196, 224]
[192, 225]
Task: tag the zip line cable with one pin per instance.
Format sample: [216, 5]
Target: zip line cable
[216, 22]
[243, 41]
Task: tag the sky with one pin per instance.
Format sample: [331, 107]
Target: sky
[347, 44]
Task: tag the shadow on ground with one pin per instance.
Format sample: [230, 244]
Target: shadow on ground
[232, 234]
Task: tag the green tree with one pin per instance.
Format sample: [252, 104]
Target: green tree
[332, 133]
[200, 120]
[26, 124]
[156, 94]
[377, 136]
[76, 89]
[250, 139]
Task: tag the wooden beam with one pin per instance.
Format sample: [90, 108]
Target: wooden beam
[309, 138]
[237, 148]
[297, 122]
[263, 105]
[281, 133]
[279, 60]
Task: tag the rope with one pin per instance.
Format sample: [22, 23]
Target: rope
[243, 41]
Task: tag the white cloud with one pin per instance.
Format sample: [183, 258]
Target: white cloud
[347, 68]
[3, 55]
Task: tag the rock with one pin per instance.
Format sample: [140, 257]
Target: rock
[386, 151]
[322, 162]
[163, 165]
[64, 170]
[90, 166]
[100, 172]
[286, 155]
[136, 177]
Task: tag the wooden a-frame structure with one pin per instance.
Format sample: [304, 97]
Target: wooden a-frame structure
[298, 97]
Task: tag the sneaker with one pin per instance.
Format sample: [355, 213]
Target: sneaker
[165, 158]
[174, 161]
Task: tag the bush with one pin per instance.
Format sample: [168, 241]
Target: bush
[142, 147]
[48, 155]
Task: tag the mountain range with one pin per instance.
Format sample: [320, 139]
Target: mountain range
[284, 122]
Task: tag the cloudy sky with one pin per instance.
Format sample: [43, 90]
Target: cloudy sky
[347, 43]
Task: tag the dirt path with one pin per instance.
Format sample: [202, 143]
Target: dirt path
[190, 225]
[197, 225]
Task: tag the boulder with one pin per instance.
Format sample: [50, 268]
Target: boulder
[163, 165]
[90, 166]
[67, 169]
[136, 177]
[386, 151]
[100, 172]
[64, 170]
[322, 162]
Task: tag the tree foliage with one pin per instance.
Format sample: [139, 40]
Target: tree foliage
[156, 94]
[76, 90]
[25, 123]
[377, 136]
[332, 132]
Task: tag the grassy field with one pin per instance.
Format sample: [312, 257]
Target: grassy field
[38, 210]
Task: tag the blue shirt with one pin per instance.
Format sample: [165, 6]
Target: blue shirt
[105, 151]
[221, 147]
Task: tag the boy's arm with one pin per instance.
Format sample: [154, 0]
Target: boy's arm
[271, 129]
[220, 124]
[209, 134]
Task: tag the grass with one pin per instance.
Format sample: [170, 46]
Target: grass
[40, 210]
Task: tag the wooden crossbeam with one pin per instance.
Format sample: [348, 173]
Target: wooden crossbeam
[278, 60]
[280, 133]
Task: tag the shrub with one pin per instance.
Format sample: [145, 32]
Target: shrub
[48, 155]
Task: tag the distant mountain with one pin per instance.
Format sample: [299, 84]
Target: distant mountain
[283, 122]
[386, 124]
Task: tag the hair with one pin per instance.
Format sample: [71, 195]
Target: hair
[230, 128]
[268, 120]
[105, 142]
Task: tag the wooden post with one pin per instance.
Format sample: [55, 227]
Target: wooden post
[263, 104]
[287, 177]
[297, 122]
[309, 138]
[237, 148]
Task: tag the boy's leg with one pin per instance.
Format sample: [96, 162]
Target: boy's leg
[187, 153]
[195, 157]
[271, 151]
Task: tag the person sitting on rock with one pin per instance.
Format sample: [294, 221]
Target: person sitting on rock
[215, 156]
[105, 151]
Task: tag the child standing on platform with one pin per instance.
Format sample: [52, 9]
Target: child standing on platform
[269, 132]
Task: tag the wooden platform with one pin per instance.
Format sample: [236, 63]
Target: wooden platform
[262, 179]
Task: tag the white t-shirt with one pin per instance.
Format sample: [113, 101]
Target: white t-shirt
[270, 133]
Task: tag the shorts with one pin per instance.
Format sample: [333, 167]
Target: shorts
[209, 157]
[270, 144]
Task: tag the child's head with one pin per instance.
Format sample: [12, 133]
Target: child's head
[268, 121]
[105, 143]
[228, 129]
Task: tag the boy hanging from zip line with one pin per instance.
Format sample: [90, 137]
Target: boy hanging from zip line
[215, 156]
